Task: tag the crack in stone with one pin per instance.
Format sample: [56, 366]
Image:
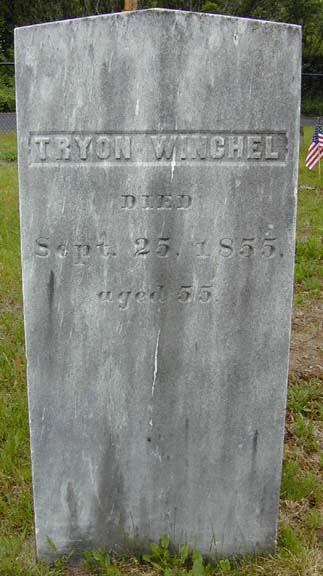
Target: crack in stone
[155, 365]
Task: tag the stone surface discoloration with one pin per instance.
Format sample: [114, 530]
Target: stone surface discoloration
[157, 164]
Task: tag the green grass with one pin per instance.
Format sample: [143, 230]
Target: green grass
[300, 550]
[8, 147]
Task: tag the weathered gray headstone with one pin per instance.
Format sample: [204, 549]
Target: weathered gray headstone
[158, 167]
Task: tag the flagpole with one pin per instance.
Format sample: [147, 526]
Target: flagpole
[319, 165]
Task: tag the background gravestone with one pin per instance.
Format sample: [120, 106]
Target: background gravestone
[158, 167]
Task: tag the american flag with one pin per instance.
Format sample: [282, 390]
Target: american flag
[315, 151]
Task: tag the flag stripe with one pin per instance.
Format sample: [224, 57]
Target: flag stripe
[318, 153]
[312, 155]
[315, 157]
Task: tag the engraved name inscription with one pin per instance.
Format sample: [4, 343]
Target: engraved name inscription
[162, 148]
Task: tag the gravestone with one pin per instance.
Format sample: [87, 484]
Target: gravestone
[158, 167]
